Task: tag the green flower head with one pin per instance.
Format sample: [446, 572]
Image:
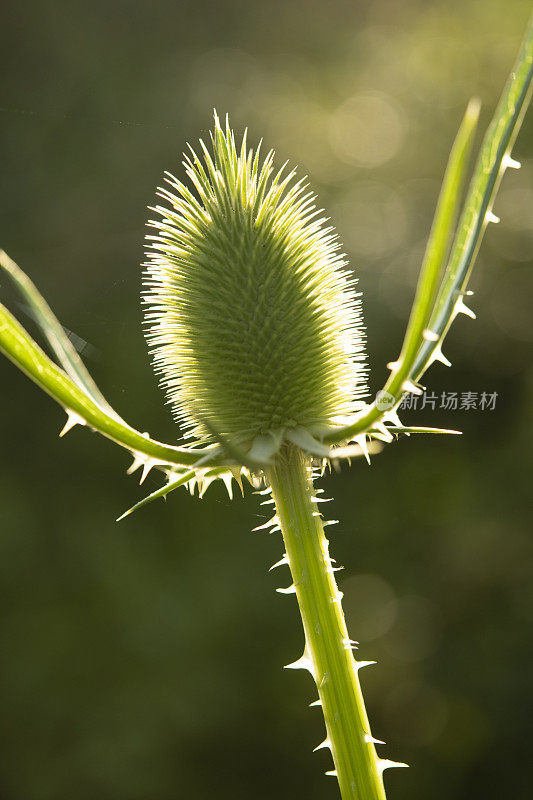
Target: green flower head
[253, 320]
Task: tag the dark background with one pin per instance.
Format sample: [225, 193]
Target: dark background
[142, 661]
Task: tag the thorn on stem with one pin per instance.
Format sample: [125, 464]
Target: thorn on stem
[323, 745]
[138, 461]
[369, 739]
[72, 419]
[350, 644]
[386, 763]
[284, 560]
[149, 463]
[438, 355]
[412, 388]
[273, 522]
[510, 163]
[360, 664]
[304, 662]
[289, 590]
[461, 308]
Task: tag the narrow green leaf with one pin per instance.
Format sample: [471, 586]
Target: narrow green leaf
[427, 288]
[437, 247]
[418, 429]
[493, 159]
[162, 492]
[53, 330]
[20, 348]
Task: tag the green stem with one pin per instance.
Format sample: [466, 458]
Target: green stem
[20, 348]
[327, 650]
[55, 334]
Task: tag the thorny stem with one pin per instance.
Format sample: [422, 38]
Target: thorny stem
[328, 653]
[494, 158]
[20, 348]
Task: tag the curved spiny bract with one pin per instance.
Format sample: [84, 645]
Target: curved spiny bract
[253, 320]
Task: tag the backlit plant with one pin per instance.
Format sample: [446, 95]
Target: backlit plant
[255, 329]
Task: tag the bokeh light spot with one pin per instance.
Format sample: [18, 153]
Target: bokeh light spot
[367, 130]
[372, 219]
[369, 605]
[415, 632]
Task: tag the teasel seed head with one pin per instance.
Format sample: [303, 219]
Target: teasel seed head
[252, 318]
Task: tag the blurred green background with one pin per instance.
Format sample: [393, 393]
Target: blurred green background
[142, 661]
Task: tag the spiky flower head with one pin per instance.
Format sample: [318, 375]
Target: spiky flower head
[253, 321]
